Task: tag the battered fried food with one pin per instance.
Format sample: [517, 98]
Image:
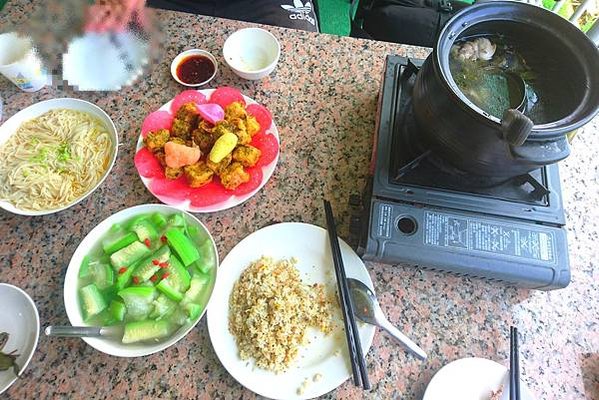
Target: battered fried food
[161, 157]
[218, 168]
[181, 129]
[204, 140]
[173, 173]
[235, 110]
[198, 174]
[239, 129]
[188, 113]
[247, 155]
[155, 141]
[233, 176]
[252, 126]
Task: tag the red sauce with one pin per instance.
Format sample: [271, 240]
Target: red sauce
[195, 69]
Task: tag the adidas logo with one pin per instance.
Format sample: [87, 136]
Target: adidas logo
[300, 10]
[298, 7]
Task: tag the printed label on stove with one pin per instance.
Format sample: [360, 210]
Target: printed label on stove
[383, 228]
[461, 233]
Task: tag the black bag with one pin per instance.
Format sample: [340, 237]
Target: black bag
[415, 22]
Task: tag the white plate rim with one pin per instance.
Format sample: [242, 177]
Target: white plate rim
[233, 201]
[71, 303]
[215, 332]
[468, 364]
[37, 332]
[39, 108]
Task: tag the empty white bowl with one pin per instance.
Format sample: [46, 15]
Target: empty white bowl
[18, 318]
[252, 53]
[193, 52]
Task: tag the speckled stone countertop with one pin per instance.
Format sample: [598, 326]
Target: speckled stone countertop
[323, 95]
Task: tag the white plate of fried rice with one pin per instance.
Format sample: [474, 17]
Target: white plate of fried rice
[269, 285]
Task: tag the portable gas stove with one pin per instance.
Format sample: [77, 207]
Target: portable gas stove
[418, 211]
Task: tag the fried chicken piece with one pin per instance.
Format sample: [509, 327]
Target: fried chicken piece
[204, 140]
[188, 113]
[173, 173]
[181, 129]
[252, 125]
[198, 174]
[155, 141]
[233, 176]
[235, 110]
[218, 168]
[247, 155]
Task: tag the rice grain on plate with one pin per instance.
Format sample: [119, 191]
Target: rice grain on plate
[270, 310]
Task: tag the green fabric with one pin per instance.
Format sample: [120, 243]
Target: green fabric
[334, 16]
[2, 3]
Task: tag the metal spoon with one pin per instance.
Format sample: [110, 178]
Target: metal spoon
[367, 309]
[84, 331]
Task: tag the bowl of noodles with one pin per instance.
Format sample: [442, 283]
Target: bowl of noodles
[53, 155]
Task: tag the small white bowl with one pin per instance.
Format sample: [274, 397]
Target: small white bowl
[71, 296]
[18, 318]
[8, 128]
[252, 53]
[193, 52]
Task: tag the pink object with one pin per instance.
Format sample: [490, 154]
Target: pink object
[211, 112]
[147, 164]
[187, 96]
[251, 185]
[209, 194]
[177, 189]
[223, 96]
[262, 115]
[155, 121]
[269, 147]
[178, 155]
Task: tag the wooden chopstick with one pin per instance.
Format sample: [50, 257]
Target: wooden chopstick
[351, 329]
[514, 365]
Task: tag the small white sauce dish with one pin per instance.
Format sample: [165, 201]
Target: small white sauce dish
[20, 320]
[188, 53]
[252, 53]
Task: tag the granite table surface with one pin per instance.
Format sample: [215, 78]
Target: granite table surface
[323, 95]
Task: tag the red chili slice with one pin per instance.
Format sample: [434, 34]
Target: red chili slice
[135, 280]
[166, 274]
[155, 262]
[147, 242]
[163, 239]
[122, 270]
[153, 278]
[163, 265]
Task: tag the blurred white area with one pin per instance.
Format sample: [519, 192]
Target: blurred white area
[104, 61]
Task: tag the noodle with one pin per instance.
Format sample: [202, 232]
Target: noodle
[53, 160]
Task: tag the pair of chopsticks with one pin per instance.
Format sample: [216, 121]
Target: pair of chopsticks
[358, 364]
[514, 365]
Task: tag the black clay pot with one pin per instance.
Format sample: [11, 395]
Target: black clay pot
[476, 142]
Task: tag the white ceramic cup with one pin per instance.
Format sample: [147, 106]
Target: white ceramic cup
[252, 53]
[20, 63]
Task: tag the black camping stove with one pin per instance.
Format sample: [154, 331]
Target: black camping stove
[417, 210]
